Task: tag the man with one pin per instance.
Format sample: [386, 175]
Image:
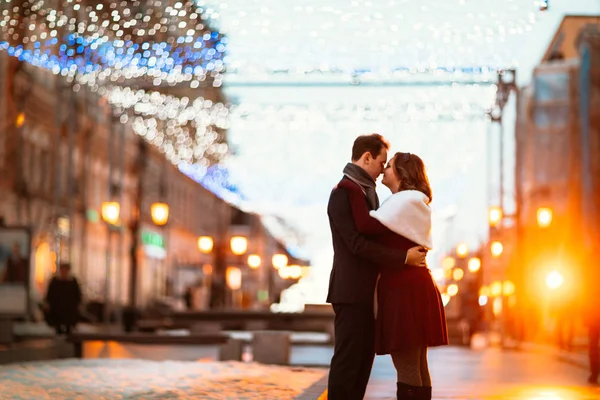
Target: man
[354, 273]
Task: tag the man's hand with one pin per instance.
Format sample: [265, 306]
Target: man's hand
[415, 256]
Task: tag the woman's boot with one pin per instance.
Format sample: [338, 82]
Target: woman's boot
[407, 392]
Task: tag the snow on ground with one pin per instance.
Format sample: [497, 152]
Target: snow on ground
[142, 379]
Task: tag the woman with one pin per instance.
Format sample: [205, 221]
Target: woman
[410, 313]
[63, 300]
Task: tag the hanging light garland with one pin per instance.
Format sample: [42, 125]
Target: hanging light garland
[188, 131]
[111, 48]
[108, 43]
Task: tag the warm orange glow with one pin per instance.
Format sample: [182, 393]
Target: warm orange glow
[484, 291]
[20, 120]
[496, 289]
[508, 288]
[205, 244]
[495, 216]
[284, 272]
[305, 272]
[458, 274]
[474, 264]
[233, 276]
[496, 248]
[159, 213]
[254, 261]
[554, 280]
[295, 271]
[462, 250]
[452, 289]
[239, 245]
[110, 212]
[544, 217]
[207, 269]
[438, 274]
[448, 262]
[279, 261]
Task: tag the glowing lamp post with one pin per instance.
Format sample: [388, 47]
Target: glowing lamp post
[554, 280]
[254, 261]
[458, 274]
[239, 245]
[452, 290]
[474, 264]
[159, 213]
[496, 248]
[495, 216]
[448, 262]
[544, 217]
[233, 277]
[279, 261]
[205, 244]
[462, 250]
[110, 212]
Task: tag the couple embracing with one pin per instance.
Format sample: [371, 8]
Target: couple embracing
[383, 295]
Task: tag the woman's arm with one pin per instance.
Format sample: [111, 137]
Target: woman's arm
[360, 212]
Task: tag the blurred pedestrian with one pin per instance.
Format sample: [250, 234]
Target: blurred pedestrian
[63, 300]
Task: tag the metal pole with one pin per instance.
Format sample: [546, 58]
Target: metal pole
[70, 172]
[120, 269]
[136, 223]
[108, 227]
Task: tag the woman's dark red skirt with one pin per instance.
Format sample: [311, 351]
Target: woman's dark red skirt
[410, 311]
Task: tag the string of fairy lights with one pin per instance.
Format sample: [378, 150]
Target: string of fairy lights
[129, 51]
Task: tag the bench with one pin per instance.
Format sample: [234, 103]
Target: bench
[79, 338]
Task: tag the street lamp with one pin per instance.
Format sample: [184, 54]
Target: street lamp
[496, 249]
[205, 244]
[462, 250]
[452, 289]
[458, 274]
[279, 261]
[295, 271]
[554, 280]
[496, 289]
[508, 288]
[448, 262]
[254, 261]
[233, 276]
[110, 212]
[474, 264]
[239, 245]
[160, 213]
[495, 215]
[544, 217]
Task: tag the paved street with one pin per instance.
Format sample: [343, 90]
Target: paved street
[460, 373]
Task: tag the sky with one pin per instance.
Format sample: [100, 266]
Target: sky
[295, 113]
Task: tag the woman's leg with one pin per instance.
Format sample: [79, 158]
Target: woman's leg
[425, 376]
[407, 363]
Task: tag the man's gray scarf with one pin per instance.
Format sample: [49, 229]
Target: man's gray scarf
[364, 180]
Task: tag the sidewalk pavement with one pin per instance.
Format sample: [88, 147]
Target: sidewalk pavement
[383, 378]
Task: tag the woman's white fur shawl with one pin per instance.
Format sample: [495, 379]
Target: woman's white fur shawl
[407, 214]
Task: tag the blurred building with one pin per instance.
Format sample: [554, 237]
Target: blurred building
[89, 168]
[557, 182]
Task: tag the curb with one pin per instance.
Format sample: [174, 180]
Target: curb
[317, 391]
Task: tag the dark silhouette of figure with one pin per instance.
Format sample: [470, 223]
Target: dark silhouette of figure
[63, 300]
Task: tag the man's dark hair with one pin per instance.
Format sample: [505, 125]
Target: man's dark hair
[372, 143]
